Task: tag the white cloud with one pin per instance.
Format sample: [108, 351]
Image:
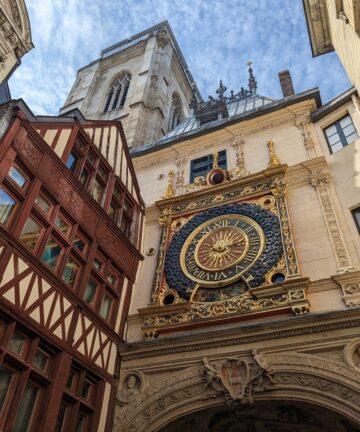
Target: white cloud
[216, 37]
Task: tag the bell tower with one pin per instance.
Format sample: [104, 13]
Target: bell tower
[143, 81]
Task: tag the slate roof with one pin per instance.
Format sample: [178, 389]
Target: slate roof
[239, 110]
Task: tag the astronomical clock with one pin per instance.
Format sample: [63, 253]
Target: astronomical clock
[226, 253]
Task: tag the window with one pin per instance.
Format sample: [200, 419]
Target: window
[7, 205]
[356, 215]
[78, 404]
[59, 242]
[27, 369]
[18, 176]
[103, 287]
[175, 111]
[72, 161]
[121, 211]
[31, 233]
[340, 134]
[117, 94]
[201, 166]
[12, 192]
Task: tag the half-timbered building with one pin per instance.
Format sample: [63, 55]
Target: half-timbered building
[70, 231]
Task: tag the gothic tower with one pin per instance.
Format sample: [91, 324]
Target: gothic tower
[143, 81]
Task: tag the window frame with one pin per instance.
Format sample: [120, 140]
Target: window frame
[104, 286]
[25, 372]
[117, 94]
[354, 211]
[208, 162]
[340, 132]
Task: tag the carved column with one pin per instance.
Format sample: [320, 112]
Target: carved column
[238, 145]
[164, 222]
[302, 122]
[286, 233]
[321, 181]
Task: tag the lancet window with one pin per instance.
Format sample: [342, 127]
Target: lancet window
[117, 93]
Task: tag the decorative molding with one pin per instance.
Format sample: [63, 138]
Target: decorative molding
[248, 186]
[181, 162]
[350, 286]
[321, 180]
[238, 146]
[302, 122]
[286, 232]
[290, 295]
[237, 380]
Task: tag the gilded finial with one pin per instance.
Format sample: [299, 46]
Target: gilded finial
[273, 159]
[169, 193]
[215, 160]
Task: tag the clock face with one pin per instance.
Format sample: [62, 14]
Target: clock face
[218, 251]
[223, 246]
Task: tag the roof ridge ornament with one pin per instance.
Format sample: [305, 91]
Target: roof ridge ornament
[221, 90]
[252, 80]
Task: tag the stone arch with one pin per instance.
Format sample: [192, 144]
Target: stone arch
[297, 378]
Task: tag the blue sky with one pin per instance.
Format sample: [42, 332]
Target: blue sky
[217, 38]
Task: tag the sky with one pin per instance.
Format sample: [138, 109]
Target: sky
[217, 38]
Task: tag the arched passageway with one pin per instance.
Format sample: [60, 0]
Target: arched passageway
[265, 416]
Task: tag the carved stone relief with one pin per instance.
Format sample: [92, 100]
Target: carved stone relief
[235, 383]
[320, 181]
[302, 121]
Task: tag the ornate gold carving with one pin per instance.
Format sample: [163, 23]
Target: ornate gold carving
[288, 243]
[198, 183]
[169, 292]
[215, 160]
[229, 191]
[221, 248]
[165, 218]
[280, 267]
[159, 266]
[321, 181]
[191, 312]
[169, 193]
[273, 159]
[178, 223]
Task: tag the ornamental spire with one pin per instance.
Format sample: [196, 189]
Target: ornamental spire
[221, 90]
[252, 80]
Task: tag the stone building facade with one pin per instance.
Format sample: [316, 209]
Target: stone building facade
[15, 35]
[335, 25]
[245, 313]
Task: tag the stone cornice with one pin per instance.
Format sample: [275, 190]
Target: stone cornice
[248, 333]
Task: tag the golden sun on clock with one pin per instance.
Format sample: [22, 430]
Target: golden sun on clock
[221, 249]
